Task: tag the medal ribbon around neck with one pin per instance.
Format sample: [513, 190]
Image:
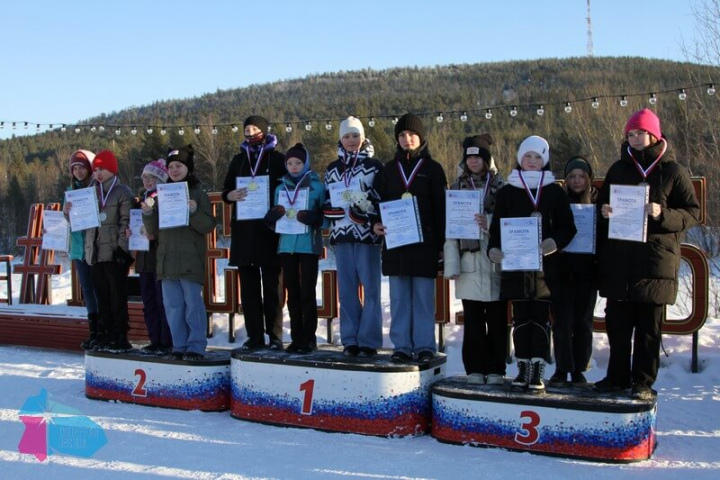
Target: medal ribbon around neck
[485, 188]
[104, 197]
[535, 200]
[347, 176]
[253, 171]
[292, 200]
[644, 172]
[407, 182]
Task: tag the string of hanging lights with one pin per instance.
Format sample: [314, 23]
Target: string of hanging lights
[681, 93]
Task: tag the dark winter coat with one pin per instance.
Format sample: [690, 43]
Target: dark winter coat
[647, 272]
[252, 243]
[420, 259]
[145, 261]
[101, 242]
[582, 266]
[557, 223]
[182, 251]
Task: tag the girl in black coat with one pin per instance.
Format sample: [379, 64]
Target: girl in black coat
[531, 190]
[253, 247]
[640, 278]
[574, 301]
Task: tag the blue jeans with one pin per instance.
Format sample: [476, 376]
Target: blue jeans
[186, 315]
[412, 308]
[86, 285]
[360, 324]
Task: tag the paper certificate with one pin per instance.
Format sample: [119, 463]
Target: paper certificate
[289, 223]
[257, 202]
[402, 222]
[341, 197]
[584, 240]
[461, 206]
[520, 239]
[137, 241]
[628, 220]
[56, 231]
[84, 212]
[173, 206]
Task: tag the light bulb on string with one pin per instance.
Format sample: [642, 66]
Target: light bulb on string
[540, 110]
[488, 114]
[163, 131]
[463, 117]
[101, 128]
[711, 89]
[653, 99]
[371, 122]
[513, 111]
[134, 130]
[235, 129]
[197, 130]
[93, 128]
[77, 129]
[328, 125]
[595, 102]
[149, 130]
[214, 130]
[439, 117]
[288, 128]
[51, 126]
[308, 126]
[395, 120]
[623, 101]
[63, 128]
[568, 107]
[2, 125]
[26, 125]
[14, 127]
[181, 131]
[118, 131]
[37, 127]
[682, 95]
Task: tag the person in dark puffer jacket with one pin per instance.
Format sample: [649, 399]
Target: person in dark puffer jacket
[413, 268]
[640, 278]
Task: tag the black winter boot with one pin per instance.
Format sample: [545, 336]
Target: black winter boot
[93, 326]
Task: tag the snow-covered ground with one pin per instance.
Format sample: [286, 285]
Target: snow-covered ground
[144, 442]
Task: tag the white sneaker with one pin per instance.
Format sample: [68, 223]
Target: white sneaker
[476, 378]
[495, 379]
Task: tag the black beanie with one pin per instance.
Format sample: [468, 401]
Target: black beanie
[478, 145]
[578, 162]
[258, 121]
[411, 122]
[183, 155]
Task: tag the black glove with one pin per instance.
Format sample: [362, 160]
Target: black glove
[358, 216]
[123, 258]
[311, 218]
[274, 214]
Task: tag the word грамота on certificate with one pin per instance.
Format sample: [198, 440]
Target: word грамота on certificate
[584, 239]
[56, 231]
[461, 206]
[84, 211]
[628, 220]
[257, 202]
[401, 221]
[173, 206]
[520, 239]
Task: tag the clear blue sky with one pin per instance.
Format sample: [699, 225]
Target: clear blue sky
[65, 61]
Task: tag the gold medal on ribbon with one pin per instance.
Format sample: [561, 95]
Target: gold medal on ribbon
[252, 186]
[291, 213]
[102, 216]
[406, 195]
[150, 202]
[347, 195]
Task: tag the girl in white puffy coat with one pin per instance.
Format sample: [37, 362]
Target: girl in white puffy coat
[477, 283]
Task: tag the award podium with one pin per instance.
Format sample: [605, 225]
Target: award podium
[160, 381]
[326, 390]
[568, 422]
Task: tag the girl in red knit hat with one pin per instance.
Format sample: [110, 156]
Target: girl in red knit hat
[640, 278]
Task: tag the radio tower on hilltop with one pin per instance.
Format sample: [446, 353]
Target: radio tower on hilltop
[590, 48]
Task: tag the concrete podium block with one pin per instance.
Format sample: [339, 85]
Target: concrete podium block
[160, 381]
[576, 423]
[325, 390]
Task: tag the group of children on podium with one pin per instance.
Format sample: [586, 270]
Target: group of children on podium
[637, 278]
